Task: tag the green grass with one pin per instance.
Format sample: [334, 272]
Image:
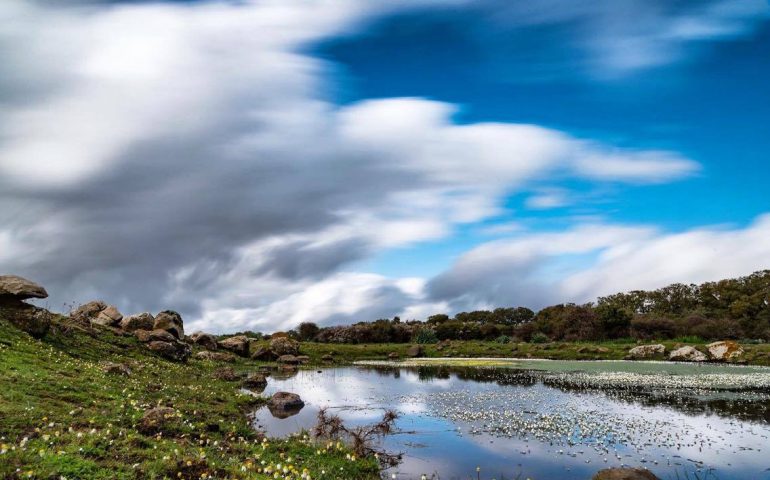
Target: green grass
[61, 415]
[758, 354]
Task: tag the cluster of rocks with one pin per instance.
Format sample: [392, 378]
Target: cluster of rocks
[722, 351]
[162, 333]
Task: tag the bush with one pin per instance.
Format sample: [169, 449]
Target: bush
[425, 336]
[651, 328]
[539, 337]
[503, 339]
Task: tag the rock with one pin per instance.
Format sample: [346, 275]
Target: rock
[227, 374]
[393, 356]
[288, 359]
[264, 354]
[443, 344]
[145, 336]
[205, 340]
[646, 351]
[20, 288]
[116, 368]
[156, 420]
[171, 322]
[28, 318]
[110, 316]
[238, 344]
[285, 404]
[177, 351]
[687, 354]
[255, 381]
[97, 313]
[140, 321]
[284, 346]
[726, 350]
[303, 359]
[327, 358]
[414, 351]
[215, 356]
[624, 474]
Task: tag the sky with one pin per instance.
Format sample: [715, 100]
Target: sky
[258, 164]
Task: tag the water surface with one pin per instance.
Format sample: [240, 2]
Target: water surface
[546, 420]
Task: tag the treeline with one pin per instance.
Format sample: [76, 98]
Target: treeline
[727, 309]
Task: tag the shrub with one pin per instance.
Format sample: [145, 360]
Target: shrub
[649, 328]
[425, 336]
[503, 339]
[539, 337]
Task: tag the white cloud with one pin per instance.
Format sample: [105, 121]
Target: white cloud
[590, 260]
[183, 156]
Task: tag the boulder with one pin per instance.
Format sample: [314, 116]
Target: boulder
[156, 420]
[171, 322]
[303, 359]
[97, 313]
[443, 344]
[393, 356]
[288, 359]
[284, 346]
[624, 473]
[110, 317]
[205, 340]
[725, 351]
[414, 351]
[327, 358]
[285, 404]
[20, 288]
[145, 336]
[177, 351]
[140, 321]
[687, 354]
[255, 381]
[642, 352]
[264, 354]
[28, 318]
[215, 356]
[238, 344]
[116, 368]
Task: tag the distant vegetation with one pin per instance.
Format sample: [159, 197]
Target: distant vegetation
[727, 309]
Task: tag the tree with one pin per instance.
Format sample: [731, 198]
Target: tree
[307, 331]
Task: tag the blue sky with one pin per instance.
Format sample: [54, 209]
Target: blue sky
[710, 103]
[255, 164]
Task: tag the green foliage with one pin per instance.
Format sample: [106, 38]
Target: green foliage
[503, 339]
[540, 338]
[307, 331]
[425, 336]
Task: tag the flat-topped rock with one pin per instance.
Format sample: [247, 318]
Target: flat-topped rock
[205, 340]
[238, 344]
[20, 288]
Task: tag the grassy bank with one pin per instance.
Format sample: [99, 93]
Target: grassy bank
[63, 415]
[756, 354]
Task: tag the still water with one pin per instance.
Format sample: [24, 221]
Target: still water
[548, 420]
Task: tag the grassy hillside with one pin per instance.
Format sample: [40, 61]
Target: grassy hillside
[63, 415]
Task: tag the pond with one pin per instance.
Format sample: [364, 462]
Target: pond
[547, 419]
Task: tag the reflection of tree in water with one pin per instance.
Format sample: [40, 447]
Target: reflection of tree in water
[754, 406]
